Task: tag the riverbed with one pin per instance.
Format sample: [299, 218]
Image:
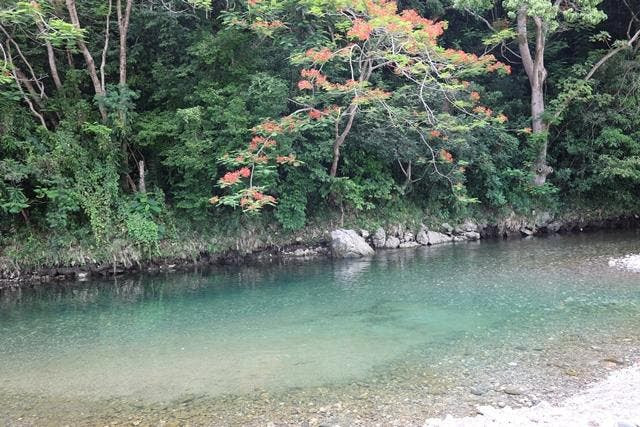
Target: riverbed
[394, 339]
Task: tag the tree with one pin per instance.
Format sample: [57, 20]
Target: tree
[346, 74]
[545, 17]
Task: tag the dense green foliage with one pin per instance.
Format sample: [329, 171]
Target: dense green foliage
[202, 76]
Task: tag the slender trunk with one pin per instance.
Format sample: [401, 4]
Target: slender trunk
[105, 47]
[22, 78]
[123, 29]
[407, 175]
[365, 67]
[91, 65]
[123, 26]
[26, 98]
[51, 57]
[142, 187]
[341, 136]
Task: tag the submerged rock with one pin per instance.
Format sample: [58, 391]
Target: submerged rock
[514, 391]
[409, 244]
[349, 244]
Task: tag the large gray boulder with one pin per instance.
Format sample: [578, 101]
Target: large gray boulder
[467, 226]
[392, 243]
[472, 235]
[349, 244]
[379, 238]
[422, 237]
[435, 238]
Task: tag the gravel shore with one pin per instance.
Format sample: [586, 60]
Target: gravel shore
[613, 402]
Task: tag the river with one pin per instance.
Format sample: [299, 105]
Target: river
[393, 339]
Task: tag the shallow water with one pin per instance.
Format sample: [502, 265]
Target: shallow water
[242, 331]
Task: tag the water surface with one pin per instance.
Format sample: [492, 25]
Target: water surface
[242, 331]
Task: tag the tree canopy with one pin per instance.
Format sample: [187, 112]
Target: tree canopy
[142, 119]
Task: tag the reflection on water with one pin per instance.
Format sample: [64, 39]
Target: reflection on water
[237, 330]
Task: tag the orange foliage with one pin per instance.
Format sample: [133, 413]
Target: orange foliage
[360, 30]
[446, 156]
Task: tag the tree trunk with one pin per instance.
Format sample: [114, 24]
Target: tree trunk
[91, 65]
[537, 74]
[340, 137]
[123, 26]
[540, 129]
[142, 187]
[51, 57]
[407, 175]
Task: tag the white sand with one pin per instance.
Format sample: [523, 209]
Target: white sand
[613, 402]
[629, 262]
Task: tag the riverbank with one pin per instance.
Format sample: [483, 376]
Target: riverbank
[614, 401]
[72, 262]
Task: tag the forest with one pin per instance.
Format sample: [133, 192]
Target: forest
[155, 127]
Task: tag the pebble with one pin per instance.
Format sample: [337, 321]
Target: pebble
[513, 391]
[478, 390]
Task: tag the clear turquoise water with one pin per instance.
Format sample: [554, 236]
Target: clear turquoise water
[240, 330]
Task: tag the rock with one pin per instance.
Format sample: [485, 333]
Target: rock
[379, 238]
[392, 243]
[554, 226]
[348, 244]
[82, 276]
[615, 360]
[478, 390]
[526, 231]
[396, 231]
[364, 233]
[543, 219]
[435, 238]
[409, 244]
[460, 238]
[513, 391]
[422, 238]
[468, 225]
[571, 372]
[472, 235]
[447, 228]
[409, 237]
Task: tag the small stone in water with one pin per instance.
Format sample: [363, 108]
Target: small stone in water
[615, 360]
[513, 391]
[571, 372]
[478, 390]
